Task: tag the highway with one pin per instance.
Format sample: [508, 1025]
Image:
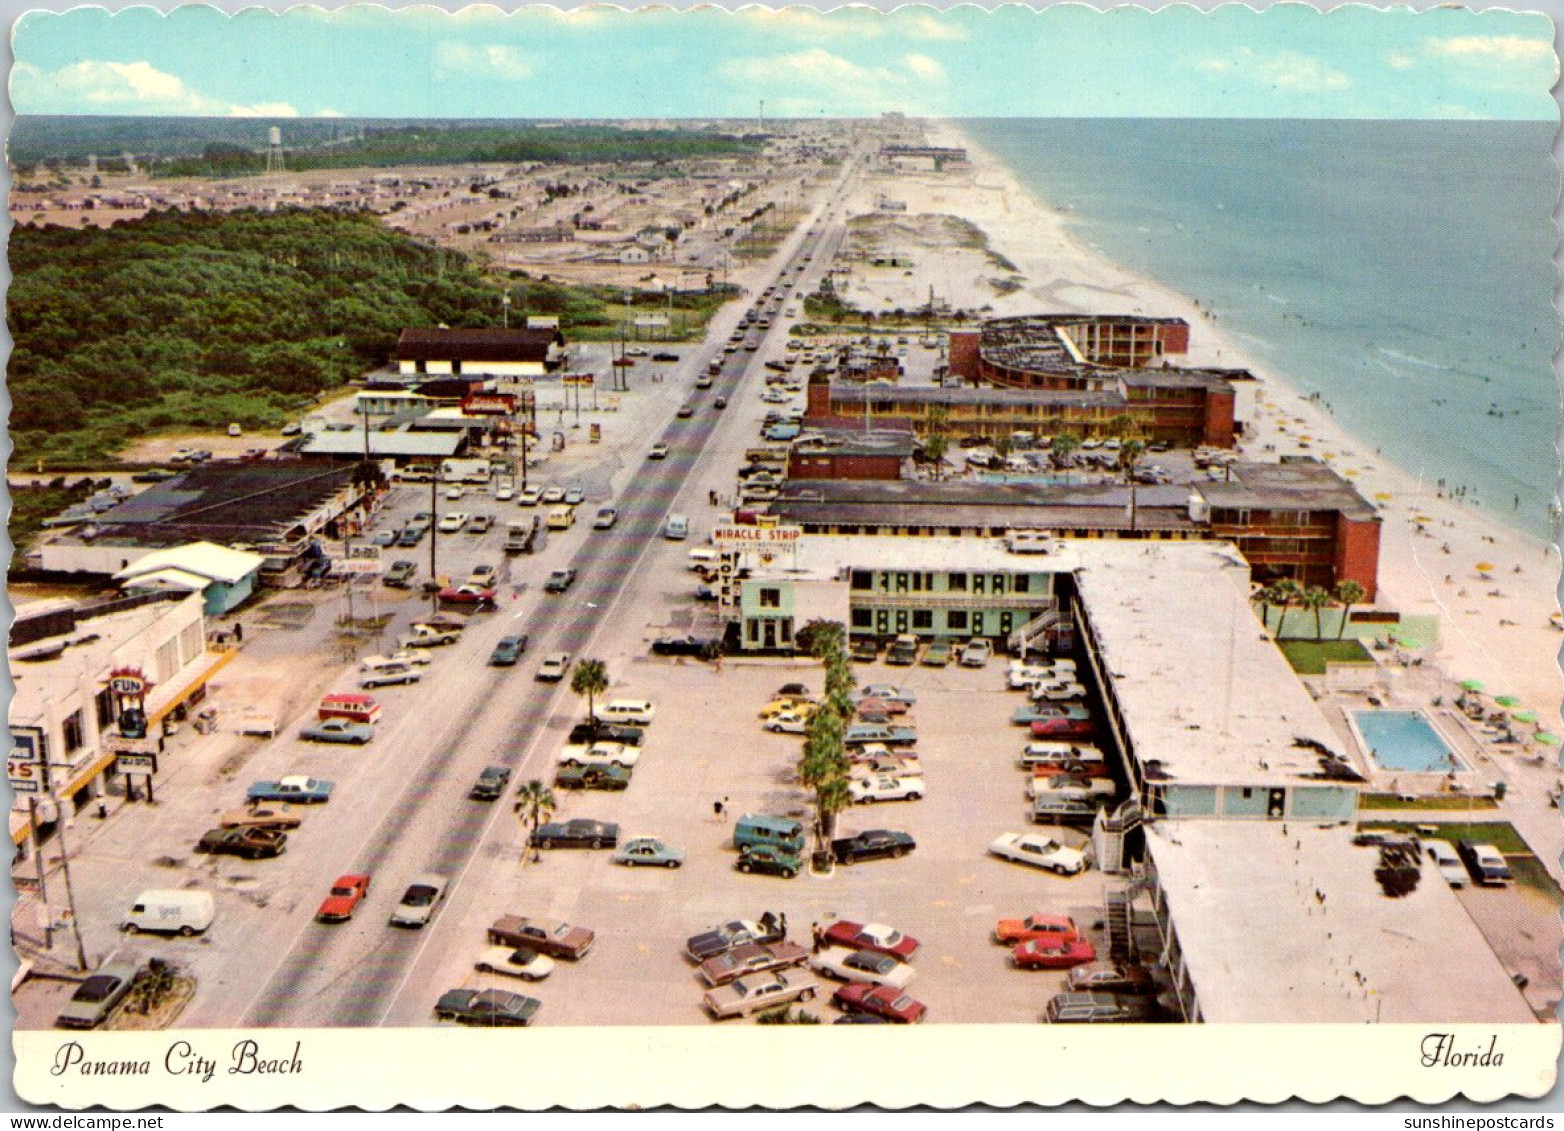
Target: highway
[473, 715]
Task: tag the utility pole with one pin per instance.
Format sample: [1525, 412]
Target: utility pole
[434, 539]
[70, 897]
[43, 884]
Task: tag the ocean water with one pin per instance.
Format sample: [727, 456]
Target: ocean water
[1402, 271]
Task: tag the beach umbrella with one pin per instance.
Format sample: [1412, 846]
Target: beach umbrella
[1485, 567]
[1352, 471]
[1507, 701]
[1472, 684]
[1547, 738]
[1525, 716]
[1384, 496]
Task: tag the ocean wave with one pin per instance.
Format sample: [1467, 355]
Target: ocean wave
[1421, 363]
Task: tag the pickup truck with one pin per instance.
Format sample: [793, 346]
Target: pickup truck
[431, 635]
[374, 663]
[861, 733]
[296, 788]
[551, 937]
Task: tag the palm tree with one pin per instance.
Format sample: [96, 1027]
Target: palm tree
[1315, 598]
[823, 767]
[1121, 427]
[590, 679]
[535, 803]
[1284, 594]
[1064, 445]
[1349, 593]
[1003, 446]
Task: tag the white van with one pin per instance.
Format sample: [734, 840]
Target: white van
[705, 557]
[634, 712]
[677, 528]
[172, 912]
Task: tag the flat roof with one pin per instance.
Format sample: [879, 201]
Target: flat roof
[1285, 922]
[383, 444]
[1296, 483]
[981, 516]
[1201, 686]
[999, 496]
[967, 394]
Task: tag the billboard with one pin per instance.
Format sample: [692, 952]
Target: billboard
[25, 765]
[740, 537]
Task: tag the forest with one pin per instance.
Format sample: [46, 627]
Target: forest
[200, 319]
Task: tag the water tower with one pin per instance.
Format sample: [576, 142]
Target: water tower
[274, 150]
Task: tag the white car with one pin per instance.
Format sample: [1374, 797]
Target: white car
[599, 754]
[890, 765]
[418, 903]
[787, 722]
[976, 654]
[1039, 851]
[1058, 692]
[1446, 862]
[530, 497]
[418, 657]
[552, 496]
[1059, 753]
[505, 493]
[453, 522]
[631, 712]
[870, 966]
[862, 791]
[454, 492]
[1023, 675]
[1071, 785]
[518, 962]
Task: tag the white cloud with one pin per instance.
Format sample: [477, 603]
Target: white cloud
[491, 61]
[855, 23]
[818, 78]
[1288, 70]
[1401, 60]
[98, 86]
[927, 27]
[1493, 49]
[328, 112]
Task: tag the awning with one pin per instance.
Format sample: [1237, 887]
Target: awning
[161, 703]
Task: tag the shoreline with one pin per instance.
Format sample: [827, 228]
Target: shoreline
[1494, 625]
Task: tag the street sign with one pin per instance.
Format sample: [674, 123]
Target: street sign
[119, 744]
[25, 766]
[136, 764]
[735, 537]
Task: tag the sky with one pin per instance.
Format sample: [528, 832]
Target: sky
[966, 62]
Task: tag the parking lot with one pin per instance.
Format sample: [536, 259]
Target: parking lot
[707, 746]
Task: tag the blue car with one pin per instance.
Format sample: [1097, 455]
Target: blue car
[508, 651]
[338, 730]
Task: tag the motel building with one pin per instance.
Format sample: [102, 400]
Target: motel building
[70, 663]
[1229, 854]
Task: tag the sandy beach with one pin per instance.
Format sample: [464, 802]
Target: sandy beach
[1495, 624]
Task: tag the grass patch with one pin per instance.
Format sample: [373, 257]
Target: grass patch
[30, 506]
[1500, 834]
[1309, 657]
[1443, 803]
[1529, 872]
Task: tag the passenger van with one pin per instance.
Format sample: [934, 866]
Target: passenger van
[561, 517]
[171, 912]
[756, 829]
[355, 708]
[705, 557]
[677, 528]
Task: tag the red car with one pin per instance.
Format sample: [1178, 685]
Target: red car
[882, 1001]
[1054, 954]
[346, 894]
[467, 595]
[1062, 728]
[870, 936]
[1050, 928]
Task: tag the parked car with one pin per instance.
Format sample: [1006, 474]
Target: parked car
[483, 575]
[388, 675]
[480, 524]
[872, 844]
[865, 650]
[262, 817]
[1101, 1008]
[1053, 954]
[751, 958]
[529, 497]
[1039, 851]
[938, 654]
[599, 754]
[97, 995]
[658, 451]
[864, 791]
[870, 936]
[862, 734]
[490, 785]
[410, 536]
[384, 538]
[902, 652]
[343, 899]
[609, 777]
[756, 992]
[725, 936]
[453, 522]
[400, 575]
[553, 667]
[769, 860]
[606, 517]
[976, 654]
[508, 651]
[516, 962]
[552, 937]
[419, 901]
[338, 730]
[559, 581]
[487, 1007]
[577, 833]
[295, 787]
[648, 851]
[862, 966]
[631, 712]
[1112, 978]
[880, 1001]
[787, 722]
[1446, 862]
[479, 596]
[552, 496]
[1485, 862]
[703, 647]
[888, 693]
[247, 840]
[591, 731]
[1055, 927]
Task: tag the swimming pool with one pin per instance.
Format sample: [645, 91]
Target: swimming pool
[1406, 741]
[1033, 478]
